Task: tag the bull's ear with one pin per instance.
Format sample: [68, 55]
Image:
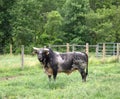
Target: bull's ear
[46, 50]
[35, 50]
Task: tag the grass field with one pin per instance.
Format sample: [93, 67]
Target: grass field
[103, 81]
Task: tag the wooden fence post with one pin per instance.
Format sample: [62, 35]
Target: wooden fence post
[10, 49]
[73, 48]
[49, 46]
[87, 48]
[118, 49]
[68, 47]
[104, 52]
[44, 46]
[22, 56]
[97, 47]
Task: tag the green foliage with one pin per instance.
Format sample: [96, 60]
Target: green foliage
[74, 20]
[116, 25]
[44, 22]
[25, 21]
[5, 29]
[52, 27]
[101, 24]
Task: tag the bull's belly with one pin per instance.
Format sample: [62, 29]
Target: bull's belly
[49, 71]
[69, 71]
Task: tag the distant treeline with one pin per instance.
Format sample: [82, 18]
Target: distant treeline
[44, 22]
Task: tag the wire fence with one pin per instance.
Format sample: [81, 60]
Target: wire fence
[109, 49]
[102, 50]
[106, 49]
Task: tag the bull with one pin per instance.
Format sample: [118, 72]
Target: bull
[54, 62]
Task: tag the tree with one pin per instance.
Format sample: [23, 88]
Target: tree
[100, 4]
[102, 24]
[52, 27]
[116, 24]
[74, 20]
[29, 19]
[5, 28]
[24, 23]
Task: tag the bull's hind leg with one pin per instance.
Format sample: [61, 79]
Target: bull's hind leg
[83, 74]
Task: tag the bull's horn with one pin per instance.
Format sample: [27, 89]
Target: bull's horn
[45, 49]
[36, 49]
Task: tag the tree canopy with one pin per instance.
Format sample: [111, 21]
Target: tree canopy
[44, 22]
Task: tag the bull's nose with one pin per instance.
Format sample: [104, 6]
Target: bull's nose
[40, 59]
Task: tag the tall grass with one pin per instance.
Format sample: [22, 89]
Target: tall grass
[13, 61]
[100, 60]
[32, 83]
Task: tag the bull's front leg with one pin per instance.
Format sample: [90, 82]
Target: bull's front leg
[49, 72]
[49, 76]
[55, 69]
[54, 75]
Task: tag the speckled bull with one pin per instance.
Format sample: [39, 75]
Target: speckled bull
[54, 62]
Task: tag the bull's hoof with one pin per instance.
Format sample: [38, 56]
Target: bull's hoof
[84, 80]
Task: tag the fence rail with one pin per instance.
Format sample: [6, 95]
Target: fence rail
[99, 50]
[106, 49]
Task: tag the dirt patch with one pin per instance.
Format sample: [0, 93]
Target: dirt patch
[9, 77]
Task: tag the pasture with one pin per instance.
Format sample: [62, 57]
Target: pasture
[103, 80]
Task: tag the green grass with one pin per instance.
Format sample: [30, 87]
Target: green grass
[103, 81]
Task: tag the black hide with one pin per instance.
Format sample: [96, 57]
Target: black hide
[54, 62]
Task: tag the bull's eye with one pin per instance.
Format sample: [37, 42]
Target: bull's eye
[40, 57]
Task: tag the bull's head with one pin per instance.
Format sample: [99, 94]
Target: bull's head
[41, 53]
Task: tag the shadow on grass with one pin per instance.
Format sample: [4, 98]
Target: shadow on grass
[55, 85]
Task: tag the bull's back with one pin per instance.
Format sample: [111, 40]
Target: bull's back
[80, 55]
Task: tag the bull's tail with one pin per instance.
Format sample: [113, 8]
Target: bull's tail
[87, 65]
[87, 69]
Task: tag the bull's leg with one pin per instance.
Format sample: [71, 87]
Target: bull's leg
[55, 68]
[49, 76]
[54, 75]
[83, 74]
